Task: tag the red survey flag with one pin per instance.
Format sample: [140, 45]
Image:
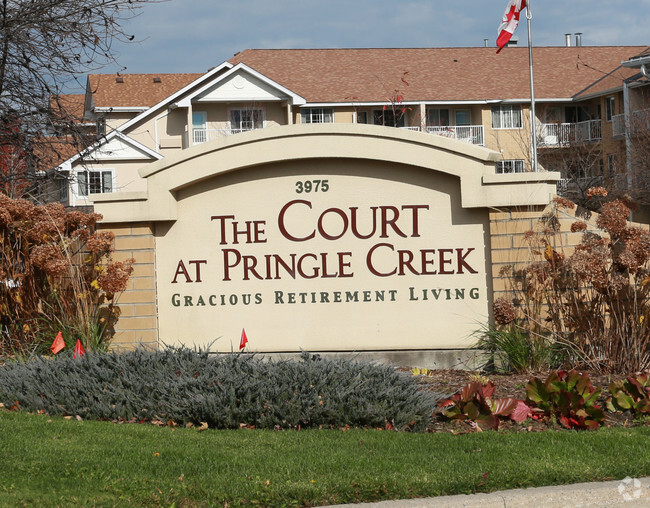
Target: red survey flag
[79, 350]
[58, 344]
[244, 340]
[509, 22]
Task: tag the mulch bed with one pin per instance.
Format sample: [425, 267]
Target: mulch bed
[514, 385]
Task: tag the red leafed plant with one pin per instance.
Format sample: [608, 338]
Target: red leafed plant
[569, 397]
[475, 403]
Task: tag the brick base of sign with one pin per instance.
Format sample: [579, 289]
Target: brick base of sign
[138, 323]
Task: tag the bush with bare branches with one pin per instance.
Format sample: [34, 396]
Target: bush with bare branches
[594, 302]
[55, 275]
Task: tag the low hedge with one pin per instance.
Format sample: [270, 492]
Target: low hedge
[222, 390]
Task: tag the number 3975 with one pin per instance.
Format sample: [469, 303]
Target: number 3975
[312, 186]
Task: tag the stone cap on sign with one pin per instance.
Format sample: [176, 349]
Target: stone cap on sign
[474, 166]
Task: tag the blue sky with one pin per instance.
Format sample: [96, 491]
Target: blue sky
[194, 35]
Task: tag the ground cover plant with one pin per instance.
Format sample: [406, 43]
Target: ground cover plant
[569, 397]
[56, 275]
[631, 394]
[475, 403]
[220, 391]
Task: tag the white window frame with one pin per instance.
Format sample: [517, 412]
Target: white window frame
[258, 120]
[398, 114]
[508, 166]
[507, 116]
[434, 117]
[317, 115]
[106, 181]
[362, 117]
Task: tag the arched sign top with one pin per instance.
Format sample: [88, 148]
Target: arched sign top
[472, 165]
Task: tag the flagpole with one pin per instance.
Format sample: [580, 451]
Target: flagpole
[533, 126]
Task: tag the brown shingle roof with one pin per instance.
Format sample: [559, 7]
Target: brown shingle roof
[440, 74]
[68, 107]
[135, 90]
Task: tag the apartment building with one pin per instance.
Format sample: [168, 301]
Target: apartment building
[592, 108]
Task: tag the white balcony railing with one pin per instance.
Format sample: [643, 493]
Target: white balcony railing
[618, 125]
[473, 134]
[204, 135]
[641, 121]
[562, 134]
[570, 187]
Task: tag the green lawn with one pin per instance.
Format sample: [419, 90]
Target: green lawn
[55, 462]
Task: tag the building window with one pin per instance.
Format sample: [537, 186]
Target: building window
[611, 163]
[246, 119]
[390, 117]
[463, 116]
[94, 182]
[506, 116]
[317, 115]
[200, 126]
[437, 117]
[101, 126]
[62, 186]
[610, 104]
[362, 117]
[511, 166]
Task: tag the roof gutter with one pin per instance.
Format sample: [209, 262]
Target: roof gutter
[121, 109]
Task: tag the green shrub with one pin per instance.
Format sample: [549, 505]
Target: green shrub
[224, 391]
[631, 394]
[513, 348]
[569, 397]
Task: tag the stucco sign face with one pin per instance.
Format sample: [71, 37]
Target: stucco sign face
[323, 255]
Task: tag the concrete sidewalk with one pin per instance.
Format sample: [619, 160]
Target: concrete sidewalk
[628, 493]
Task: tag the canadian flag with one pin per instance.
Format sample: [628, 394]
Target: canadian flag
[509, 22]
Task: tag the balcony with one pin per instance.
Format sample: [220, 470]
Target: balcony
[473, 134]
[641, 121]
[565, 134]
[204, 135]
[578, 187]
[618, 126]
